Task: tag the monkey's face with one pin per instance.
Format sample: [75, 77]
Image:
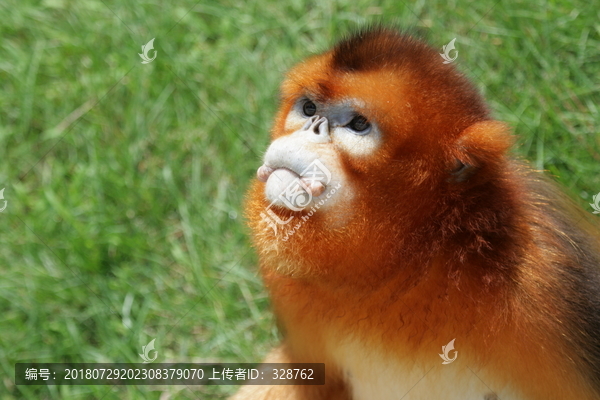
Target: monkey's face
[328, 139]
[326, 144]
[366, 136]
[308, 167]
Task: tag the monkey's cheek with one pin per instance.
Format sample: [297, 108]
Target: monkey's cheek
[285, 188]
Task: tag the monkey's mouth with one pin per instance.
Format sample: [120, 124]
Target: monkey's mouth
[284, 180]
[288, 189]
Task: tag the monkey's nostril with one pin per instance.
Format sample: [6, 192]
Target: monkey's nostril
[309, 123]
[319, 126]
[315, 127]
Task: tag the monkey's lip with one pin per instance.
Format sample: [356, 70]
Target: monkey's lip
[311, 186]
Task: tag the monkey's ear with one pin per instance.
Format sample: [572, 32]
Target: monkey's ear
[480, 146]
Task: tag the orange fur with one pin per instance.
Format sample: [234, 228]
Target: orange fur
[491, 256]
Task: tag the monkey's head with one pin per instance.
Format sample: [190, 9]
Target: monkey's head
[376, 145]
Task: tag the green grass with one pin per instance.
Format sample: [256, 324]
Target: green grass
[125, 181]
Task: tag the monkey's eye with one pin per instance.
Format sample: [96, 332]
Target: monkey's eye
[359, 124]
[309, 108]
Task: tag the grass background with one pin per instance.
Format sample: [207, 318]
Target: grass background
[125, 181]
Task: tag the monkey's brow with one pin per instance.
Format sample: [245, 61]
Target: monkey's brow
[321, 91]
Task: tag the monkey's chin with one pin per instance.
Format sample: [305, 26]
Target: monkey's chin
[285, 188]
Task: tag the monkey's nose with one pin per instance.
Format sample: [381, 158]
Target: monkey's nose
[317, 128]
